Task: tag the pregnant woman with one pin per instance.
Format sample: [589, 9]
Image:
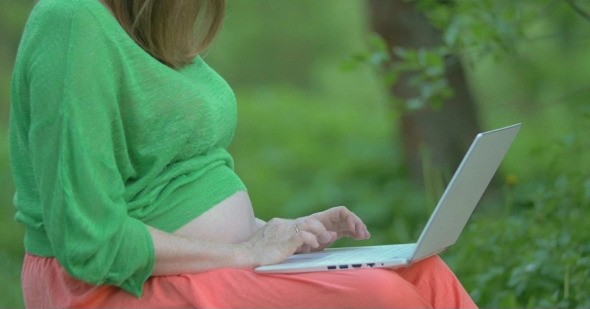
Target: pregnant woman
[118, 140]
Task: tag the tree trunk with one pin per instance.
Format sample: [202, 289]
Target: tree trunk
[439, 137]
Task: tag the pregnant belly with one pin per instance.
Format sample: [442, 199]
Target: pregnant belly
[231, 221]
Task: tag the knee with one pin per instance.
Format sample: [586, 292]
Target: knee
[432, 263]
[427, 269]
[387, 288]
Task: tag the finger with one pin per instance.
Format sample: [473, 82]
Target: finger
[365, 230]
[304, 249]
[356, 227]
[350, 224]
[316, 227]
[333, 236]
[336, 219]
[342, 214]
[308, 239]
[361, 231]
[334, 215]
[343, 221]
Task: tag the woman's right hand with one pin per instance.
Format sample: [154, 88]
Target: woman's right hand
[275, 242]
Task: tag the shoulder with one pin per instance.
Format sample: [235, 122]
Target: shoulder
[61, 15]
[65, 37]
[56, 28]
[52, 10]
[65, 8]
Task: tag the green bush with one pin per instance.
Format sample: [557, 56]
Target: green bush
[535, 253]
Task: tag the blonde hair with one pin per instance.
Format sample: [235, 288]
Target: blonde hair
[172, 31]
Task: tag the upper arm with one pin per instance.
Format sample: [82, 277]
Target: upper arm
[73, 142]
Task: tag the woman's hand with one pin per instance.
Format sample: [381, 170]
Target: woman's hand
[331, 225]
[276, 241]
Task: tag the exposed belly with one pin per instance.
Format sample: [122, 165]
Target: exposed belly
[231, 221]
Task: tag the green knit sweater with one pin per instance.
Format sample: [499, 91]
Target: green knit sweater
[104, 139]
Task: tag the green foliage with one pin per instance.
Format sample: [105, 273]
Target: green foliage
[10, 270]
[428, 66]
[535, 251]
[535, 254]
[470, 31]
[311, 137]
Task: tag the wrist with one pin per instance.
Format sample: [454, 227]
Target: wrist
[243, 255]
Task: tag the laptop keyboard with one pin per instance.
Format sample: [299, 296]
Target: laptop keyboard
[354, 255]
[364, 254]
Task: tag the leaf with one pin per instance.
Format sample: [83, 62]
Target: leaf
[360, 57]
[349, 65]
[509, 301]
[377, 42]
[436, 103]
[434, 58]
[414, 104]
[422, 57]
[378, 58]
[391, 77]
[434, 71]
[452, 32]
[400, 52]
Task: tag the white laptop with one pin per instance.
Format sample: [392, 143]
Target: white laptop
[443, 228]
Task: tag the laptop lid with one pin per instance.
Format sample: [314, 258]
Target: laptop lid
[464, 190]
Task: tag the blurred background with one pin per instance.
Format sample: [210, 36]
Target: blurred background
[372, 104]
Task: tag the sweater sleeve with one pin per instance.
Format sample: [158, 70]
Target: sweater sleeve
[76, 145]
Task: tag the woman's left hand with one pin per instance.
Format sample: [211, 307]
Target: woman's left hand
[331, 225]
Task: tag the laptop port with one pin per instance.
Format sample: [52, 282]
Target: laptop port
[357, 265]
[331, 267]
[370, 264]
[343, 266]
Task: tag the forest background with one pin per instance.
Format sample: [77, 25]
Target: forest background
[319, 125]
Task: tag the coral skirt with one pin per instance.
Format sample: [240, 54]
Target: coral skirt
[428, 283]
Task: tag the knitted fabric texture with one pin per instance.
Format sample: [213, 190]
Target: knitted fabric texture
[105, 139]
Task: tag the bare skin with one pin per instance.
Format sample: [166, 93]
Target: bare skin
[229, 235]
[231, 221]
